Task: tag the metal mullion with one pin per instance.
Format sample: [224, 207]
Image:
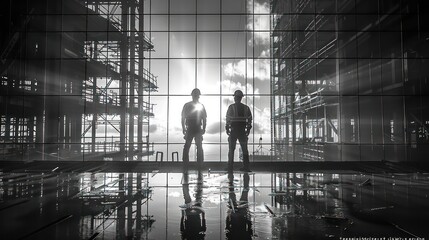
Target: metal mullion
[253, 73]
[220, 80]
[196, 53]
[358, 95]
[149, 67]
[168, 76]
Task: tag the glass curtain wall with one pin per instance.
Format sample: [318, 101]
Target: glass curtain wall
[348, 80]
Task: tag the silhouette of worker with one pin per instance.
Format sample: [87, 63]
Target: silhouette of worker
[238, 220]
[238, 125]
[193, 220]
[194, 120]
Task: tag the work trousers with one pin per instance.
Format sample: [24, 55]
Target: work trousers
[190, 135]
[232, 140]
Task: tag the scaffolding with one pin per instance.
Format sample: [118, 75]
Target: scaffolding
[304, 72]
[74, 84]
[340, 79]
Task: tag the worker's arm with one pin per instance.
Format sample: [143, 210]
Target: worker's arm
[228, 120]
[183, 121]
[204, 125]
[248, 121]
[204, 120]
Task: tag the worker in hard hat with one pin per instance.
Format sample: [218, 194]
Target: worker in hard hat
[194, 121]
[238, 125]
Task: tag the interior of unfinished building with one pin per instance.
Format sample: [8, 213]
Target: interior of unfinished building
[91, 98]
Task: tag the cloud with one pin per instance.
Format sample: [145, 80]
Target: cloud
[258, 128]
[263, 121]
[153, 128]
[214, 128]
[259, 22]
[259, 68]
[261, 7]
[229, 86]
[265, 53]
[235, 68]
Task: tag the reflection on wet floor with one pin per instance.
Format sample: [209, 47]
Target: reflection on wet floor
[213, 205]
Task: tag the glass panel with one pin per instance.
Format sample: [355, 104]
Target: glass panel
[350, 120]
[160, 69]
[157, 23]
[158, 6]
[183, 6]
[208, 22]
[182, 45]
[233, 44]
[182, 22]
[158, 126]
[238, 6]
[182, 76]
[208, 6]
[208, 45]
[234, 22]
[208, 78]
[161, 39]
[370, 120]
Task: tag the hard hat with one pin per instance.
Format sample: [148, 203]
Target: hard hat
[196, 92]
[238, 93]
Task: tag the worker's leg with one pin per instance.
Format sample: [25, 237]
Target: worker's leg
[186, 147]
[232, 140]
[243, 139]
[200, 152]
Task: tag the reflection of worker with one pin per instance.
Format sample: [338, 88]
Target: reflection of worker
[193, 220]
[238, 125]
[194, 120]
[238, 221]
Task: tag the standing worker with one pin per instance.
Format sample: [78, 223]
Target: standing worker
[238, 125]
[194, 121]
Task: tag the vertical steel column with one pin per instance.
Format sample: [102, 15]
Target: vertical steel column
[130, 205]
[76, 120]
[61, 129]
[292, 107]
[124, 75]
[94, 113]
[94, 99]
[338, 87]
[67, 132]
[39, 72]
[52, 88]
[7, 123]
[120, 212]
[30, 137]
[132, 78]
[138, 231]
[140, 77]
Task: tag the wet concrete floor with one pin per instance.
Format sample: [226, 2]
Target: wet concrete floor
[213, 205]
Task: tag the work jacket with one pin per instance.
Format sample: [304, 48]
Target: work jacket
[238, 117]
[194, 113]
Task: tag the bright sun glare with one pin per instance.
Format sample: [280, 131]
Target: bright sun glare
[198, 107]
